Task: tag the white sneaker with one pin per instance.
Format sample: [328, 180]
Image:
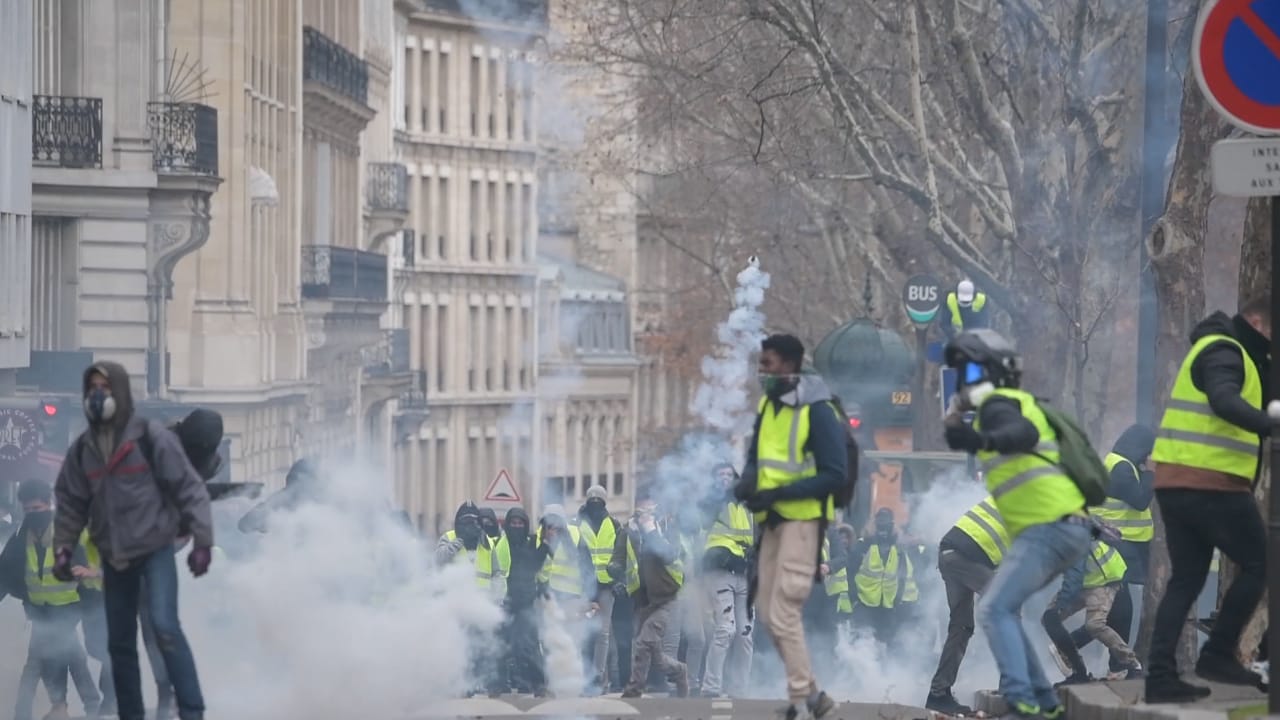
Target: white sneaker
[1263, 669]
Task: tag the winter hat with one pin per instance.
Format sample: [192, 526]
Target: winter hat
[597, 492]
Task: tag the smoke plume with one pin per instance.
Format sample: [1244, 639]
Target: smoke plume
[721, 401]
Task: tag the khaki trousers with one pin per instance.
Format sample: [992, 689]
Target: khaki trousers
[788, 560]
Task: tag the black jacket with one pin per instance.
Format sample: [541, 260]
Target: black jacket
[527, 558]
[1218, 371]
[1133, 488]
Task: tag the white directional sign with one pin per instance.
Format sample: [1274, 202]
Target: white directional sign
[1246, 167]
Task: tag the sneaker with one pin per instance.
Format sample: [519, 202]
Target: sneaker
[946, 704]
[1022, 711]
[1215, 668]
[631, 693]
[1135, 673]
[1054, 713]
[821, 705]
[795, 712]
[58, 712]
[1058, 659]
[1172, 690]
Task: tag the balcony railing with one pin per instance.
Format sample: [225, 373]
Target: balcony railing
[519, 12]
[415, 398]
[184, 138]
[388, 187]
[338, 273]
[66, 131]
[390, 356]
[337, 68]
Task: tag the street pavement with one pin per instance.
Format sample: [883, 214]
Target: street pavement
[648, 708]
[1122, 700]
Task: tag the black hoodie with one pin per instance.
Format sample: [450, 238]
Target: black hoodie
[1135, 489]
[1218, 371]
[527, 558]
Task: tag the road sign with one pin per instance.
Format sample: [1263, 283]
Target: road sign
[1236, 58]
[1246, 167]
[922, 295]
[502, 489]
[947, 381]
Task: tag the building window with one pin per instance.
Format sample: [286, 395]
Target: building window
[512, 92]
[495, 342]
[491, 213]
[617, 484]
[474, 229]
[473, 82]
[510, 222]
[409, 54]
[442, 332]
[55, 271]
[472, 349]
[426, 86]
[495, 97]
[444, 91]
[444, 212]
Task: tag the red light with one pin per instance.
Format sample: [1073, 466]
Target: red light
[855, 423]
[50, 410]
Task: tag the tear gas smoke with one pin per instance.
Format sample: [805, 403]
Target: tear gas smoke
[565, 675]
[334, 612]
[721, 401]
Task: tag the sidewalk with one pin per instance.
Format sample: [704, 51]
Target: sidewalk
[1122, 700]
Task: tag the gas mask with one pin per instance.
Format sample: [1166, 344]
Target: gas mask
[39, 520]
[99, 406]
[776, 385]
[975, 385]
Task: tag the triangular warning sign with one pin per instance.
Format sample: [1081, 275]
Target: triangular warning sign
[502, 489]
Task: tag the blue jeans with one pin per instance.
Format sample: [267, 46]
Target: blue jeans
[1037, 556]
[157, 575]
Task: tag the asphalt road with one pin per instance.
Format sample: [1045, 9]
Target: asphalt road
[656, 708]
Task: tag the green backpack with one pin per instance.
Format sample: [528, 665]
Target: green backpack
[1078, 459]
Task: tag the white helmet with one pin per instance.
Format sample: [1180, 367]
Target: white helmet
[965, 292]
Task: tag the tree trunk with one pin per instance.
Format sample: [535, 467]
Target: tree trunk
[1176, 248]
[1255, 279]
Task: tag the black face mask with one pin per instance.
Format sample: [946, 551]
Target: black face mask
[884, 531]
[39, 520]
[491, 529]
[517, 531]
[596, 510]
[469, 533]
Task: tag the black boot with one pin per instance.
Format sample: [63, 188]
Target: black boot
[947, 704]
[1216, 668]
[1161, 689]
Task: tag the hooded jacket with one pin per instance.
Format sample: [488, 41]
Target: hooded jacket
[1135, 489]
[527, 558]
[448, 548]
[132, 505]
[654, 552]
[827, 441]
[301, 484]
[1218, 372]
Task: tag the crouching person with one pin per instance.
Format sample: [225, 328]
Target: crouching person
[1092, 585]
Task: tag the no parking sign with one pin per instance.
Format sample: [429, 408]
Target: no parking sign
[1236, 59]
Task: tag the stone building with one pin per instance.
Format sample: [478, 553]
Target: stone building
[15, 191]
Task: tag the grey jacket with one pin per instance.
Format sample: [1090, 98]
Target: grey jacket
[131, 509]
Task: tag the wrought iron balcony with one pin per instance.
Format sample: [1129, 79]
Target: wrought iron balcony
[519, 12]
[388, 187]
[66, 131]
[415, 398]
[332, 65]
[184, 138]
[338, 273]
[390, 356]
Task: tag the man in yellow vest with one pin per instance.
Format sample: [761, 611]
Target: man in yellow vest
[1206, 456]
[796, 462]
[966, 310]
[604, 539]
[1128, 509]
[725, 558]
[968, 556]
[661, 575]
[1091, 585]
[881, 580]
[52, 606]
[1042, 508]
[468, 542]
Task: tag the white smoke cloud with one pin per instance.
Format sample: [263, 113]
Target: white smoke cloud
[336, 612]
[721, 401]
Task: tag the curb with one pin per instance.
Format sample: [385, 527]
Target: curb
[1122, 700]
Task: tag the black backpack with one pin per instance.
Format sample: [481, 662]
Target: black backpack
[844, 498]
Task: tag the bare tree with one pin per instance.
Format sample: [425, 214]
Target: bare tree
[841, 136]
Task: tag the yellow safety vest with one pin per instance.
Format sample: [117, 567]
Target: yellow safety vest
[837, 583]
[782, 459]
[910, 590]
[1134, 525]
[732, 530]
[1105, 566]
[953, 305]
[1029, 488]
[983, 523]
[601, 547]
[481, 559]
[94, 558]
[1193, 436]
[561, 571]
[878, 579]
[675, 569]
[43, 588]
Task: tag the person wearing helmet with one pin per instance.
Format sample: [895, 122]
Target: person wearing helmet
[1042, 508]
[966, 310]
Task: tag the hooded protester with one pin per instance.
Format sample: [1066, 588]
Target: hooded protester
[607, 543]
[883, 579]
[107, 472]
[489, 522]
[52, 606]
[569, 572]
[301, 484]
[521, 557]
[468, 540]
[1128, 509]
[661, 575]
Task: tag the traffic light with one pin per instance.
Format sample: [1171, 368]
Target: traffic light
[55, 425]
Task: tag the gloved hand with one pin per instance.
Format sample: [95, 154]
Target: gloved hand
[964, 437]
[62, 565]
[744, 488]
[456, 545]
[199, 560]
[619, 590]
[761, 501]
